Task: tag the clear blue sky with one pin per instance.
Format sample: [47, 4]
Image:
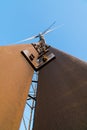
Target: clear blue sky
[20, 19]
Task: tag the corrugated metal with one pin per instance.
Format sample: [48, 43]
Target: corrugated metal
[15, 79]
[62, 94]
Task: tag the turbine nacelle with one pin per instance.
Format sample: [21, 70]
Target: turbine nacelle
[42, 48]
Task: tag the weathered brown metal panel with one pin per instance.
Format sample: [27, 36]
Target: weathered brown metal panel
[62, 94]
[15, 79]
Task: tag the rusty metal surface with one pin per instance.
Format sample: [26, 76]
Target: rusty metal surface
[62, 94]
[15, 79]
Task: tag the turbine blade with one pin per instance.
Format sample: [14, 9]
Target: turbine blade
[43, 33]
[48, 28]
[53, 29]
[27, 39]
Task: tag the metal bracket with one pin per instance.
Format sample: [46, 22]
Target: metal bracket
[39, 63]
[42, 59]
